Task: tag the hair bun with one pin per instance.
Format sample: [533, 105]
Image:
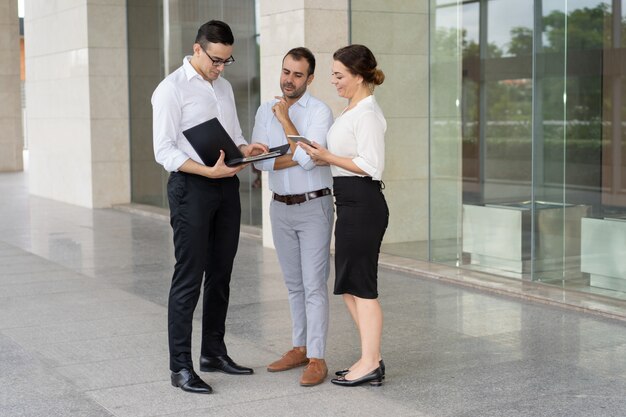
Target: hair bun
[379, 77]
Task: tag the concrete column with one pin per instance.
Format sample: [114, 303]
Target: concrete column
[397, 34]
[321, 26]
[11, 139]
[77, 98]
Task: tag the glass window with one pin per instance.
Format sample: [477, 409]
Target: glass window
[541, 116]
[172, 26]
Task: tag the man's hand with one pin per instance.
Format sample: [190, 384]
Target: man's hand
[281, 110]
[253, 149]
[221, 170]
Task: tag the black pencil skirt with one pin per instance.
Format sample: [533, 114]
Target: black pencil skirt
[362, 218]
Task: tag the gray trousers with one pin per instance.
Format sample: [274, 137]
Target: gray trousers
[302, 240]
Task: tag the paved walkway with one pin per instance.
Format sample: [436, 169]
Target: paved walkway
[83, 333]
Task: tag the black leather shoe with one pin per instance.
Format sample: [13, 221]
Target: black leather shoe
[223, 364]
[188, 380]
[343, 372]
[375, 378]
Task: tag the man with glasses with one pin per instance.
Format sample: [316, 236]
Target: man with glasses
[205, 210]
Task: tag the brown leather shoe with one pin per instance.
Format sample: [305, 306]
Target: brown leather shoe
[314, 373]
[292, 359]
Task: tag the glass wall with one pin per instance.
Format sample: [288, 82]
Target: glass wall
[160, 34]
[531, 127]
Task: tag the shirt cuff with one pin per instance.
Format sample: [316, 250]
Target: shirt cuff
[366, 167]
[177, 162]
[303, 159]
[265, 165]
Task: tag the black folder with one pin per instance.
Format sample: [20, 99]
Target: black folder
[209, 137]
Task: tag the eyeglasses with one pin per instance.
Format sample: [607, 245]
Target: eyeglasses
[218, 61]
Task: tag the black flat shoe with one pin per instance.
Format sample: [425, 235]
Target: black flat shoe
[223, 364]
[343, 372]
[188, 380]
[375, 379]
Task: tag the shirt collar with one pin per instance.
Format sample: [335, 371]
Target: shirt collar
[304, 99]
[190, 71]
[302, 102]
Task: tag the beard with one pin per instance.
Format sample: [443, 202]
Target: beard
[294, 92]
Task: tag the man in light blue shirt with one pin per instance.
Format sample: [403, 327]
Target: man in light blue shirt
[301, 211]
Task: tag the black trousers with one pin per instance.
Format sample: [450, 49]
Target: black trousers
[205, 215]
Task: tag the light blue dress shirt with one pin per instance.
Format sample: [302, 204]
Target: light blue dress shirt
[312, 118]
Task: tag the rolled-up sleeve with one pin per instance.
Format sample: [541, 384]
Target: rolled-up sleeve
[261, 135]
[166, 117]
[321, 120]
[370, 137]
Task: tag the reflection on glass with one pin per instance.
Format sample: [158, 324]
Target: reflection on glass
[176, 23]
[542, 126]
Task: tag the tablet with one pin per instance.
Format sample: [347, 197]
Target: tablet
[298, 138]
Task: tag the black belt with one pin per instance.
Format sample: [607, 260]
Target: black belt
[301, 198]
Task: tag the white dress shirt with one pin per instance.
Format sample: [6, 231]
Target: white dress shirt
[312, 118]
[359, 134]
[185, 99]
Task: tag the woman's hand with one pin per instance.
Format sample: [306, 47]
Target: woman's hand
[319, 154]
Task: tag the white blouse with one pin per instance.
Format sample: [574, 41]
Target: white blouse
[359, 134]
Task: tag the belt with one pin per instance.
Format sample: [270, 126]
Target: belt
[301, 198]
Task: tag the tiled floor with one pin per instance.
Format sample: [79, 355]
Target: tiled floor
[83, 333]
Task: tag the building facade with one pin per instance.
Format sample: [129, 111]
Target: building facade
[506, 127]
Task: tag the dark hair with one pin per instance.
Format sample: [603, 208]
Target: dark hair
[359, 60]
[215, 31]
[300, 53]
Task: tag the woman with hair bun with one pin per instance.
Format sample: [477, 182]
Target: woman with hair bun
[356, 155]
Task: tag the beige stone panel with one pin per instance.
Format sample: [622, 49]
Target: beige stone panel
[325, 30]
[10, 97]
[326, 4]
[408, 210]
[270, 7]
[63, 31]
[109, 97]
[8, 12]
[109, 140]
[108, 61]
[36, 9]
[9, 63]
[405, 90]
[111, 183]
[279, 32]
[10, 129]
[121, 3]
[404, 32]
[67, 64]
[67, 98]
[395, 6]
[58, 167]
[107, 26]
[270, 76]
[406, 149]
[11, 158]
[9, 36]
